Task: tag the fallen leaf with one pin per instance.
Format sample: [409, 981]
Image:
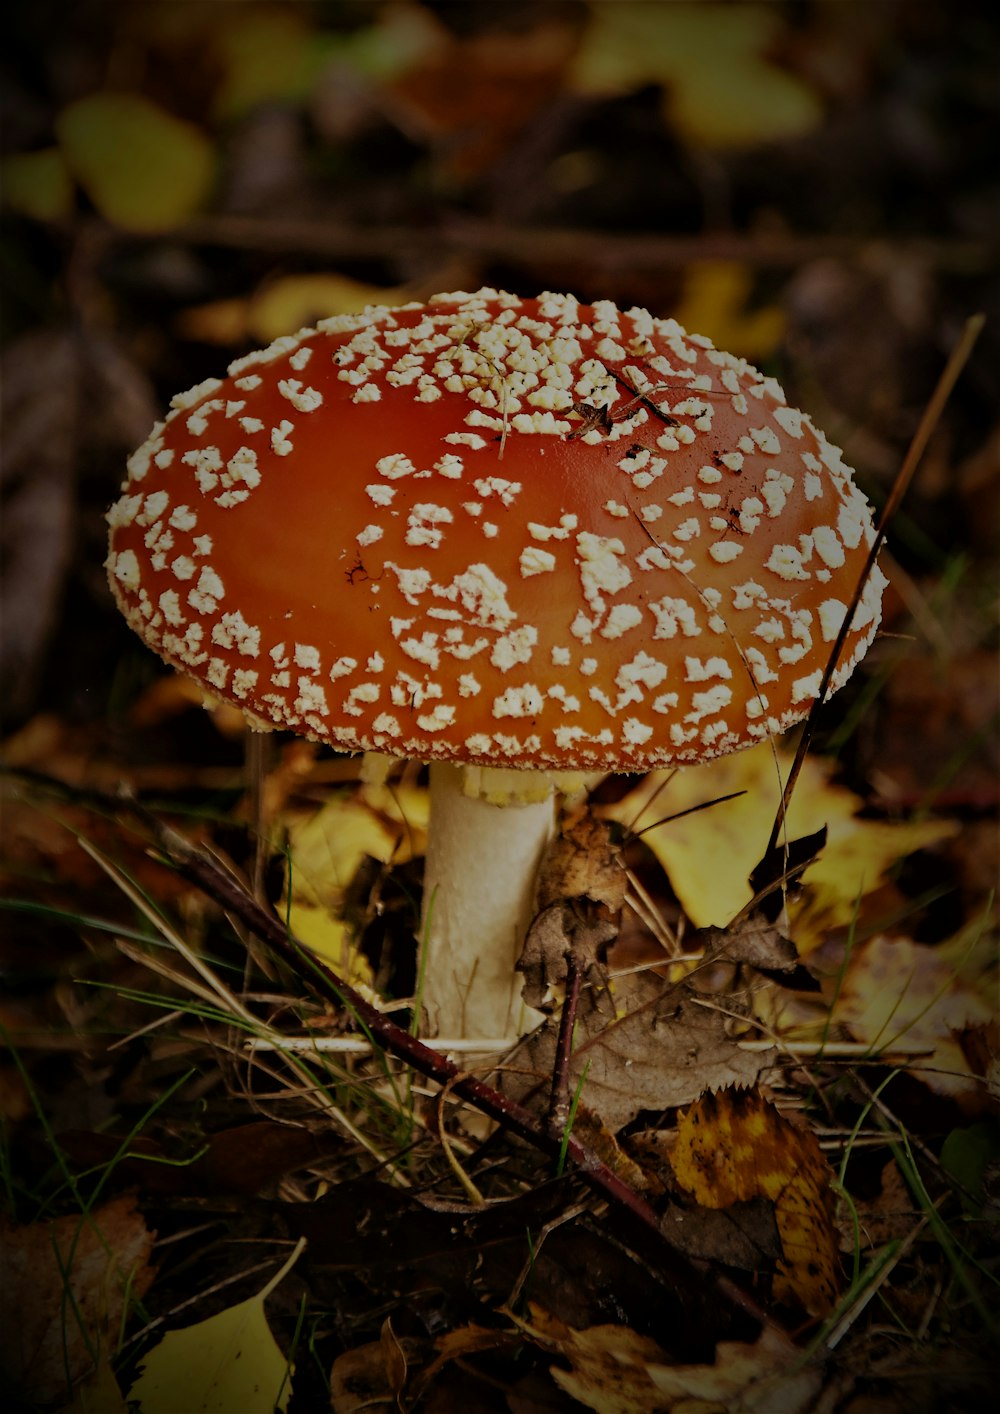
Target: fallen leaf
[99, 1393]
[742, 1235]
[37, 184]
[897, 992]
[609, 1365]
[735, 1146]
[64, 1285]
[720, 90]
[327, 848]
[709, 856]
[583, 863]
[645, 1045]
[143, 168]
[472, 95]
[769, 1377]
[289, 302]
[714, 301]
[229, 1361]
[615, 1370]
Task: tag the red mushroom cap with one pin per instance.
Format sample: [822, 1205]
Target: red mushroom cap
[498, 530]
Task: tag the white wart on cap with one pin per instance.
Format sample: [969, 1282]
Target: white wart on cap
[498, 530]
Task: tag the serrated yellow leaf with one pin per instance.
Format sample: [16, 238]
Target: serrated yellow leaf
[142, 167]
[734, 1146]
[709, 856]
[228, 1362]
[37, 184]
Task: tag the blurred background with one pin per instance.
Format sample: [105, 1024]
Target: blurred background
[813, 184]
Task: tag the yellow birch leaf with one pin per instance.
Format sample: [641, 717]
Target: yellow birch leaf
[229, 1361]
[709, 856]
[143, 168]
[268, 52]
[720, 89]
[734, 1146]
[714, 301]
[37, 184]
[291, 302]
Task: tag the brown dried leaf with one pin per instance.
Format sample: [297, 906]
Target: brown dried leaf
[743, 1235]
[900, 992]
[614, 1370]
[609, 1365]
[646, 1045]
[583, 863]
[63, 1287]
[735, 1146]
[556, 931]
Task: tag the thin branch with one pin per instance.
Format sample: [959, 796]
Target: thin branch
[932, 414]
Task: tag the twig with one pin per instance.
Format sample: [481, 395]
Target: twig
[932, 413]
[205, 873]
[557, 1118]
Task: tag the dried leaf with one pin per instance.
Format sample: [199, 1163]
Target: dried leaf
[735, 1146]
[609, 1365]
[646, 1045]
[63, 1289]
[143, 168]
[556, 931]
[742, 1235]
[899, 992]
[615, 1370]
[709, 856]
[583, 863]
[768, 1377]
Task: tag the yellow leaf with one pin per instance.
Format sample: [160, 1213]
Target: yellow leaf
[734, 1146]
[228, 1362]
[387, 823]
[143, 168]
[268, 52]
[709, 856]
[37, 184]
[897, 992]
[720, 89]
[291, 302]
[713, 302]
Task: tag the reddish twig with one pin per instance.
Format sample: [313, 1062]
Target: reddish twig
[932, 413]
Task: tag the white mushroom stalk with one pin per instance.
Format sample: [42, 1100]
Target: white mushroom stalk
[494, 531]
[483, 853]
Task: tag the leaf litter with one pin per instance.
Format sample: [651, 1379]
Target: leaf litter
[850, 1014]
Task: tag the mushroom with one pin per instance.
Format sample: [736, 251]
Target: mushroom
[499, 535]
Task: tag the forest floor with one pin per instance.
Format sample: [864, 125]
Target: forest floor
[220, 1190]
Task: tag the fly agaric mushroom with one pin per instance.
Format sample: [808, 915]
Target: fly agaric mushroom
[492, 532]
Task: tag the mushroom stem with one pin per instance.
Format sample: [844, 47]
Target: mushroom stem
[479, 879]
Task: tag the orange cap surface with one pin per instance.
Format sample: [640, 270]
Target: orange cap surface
[519, 532]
